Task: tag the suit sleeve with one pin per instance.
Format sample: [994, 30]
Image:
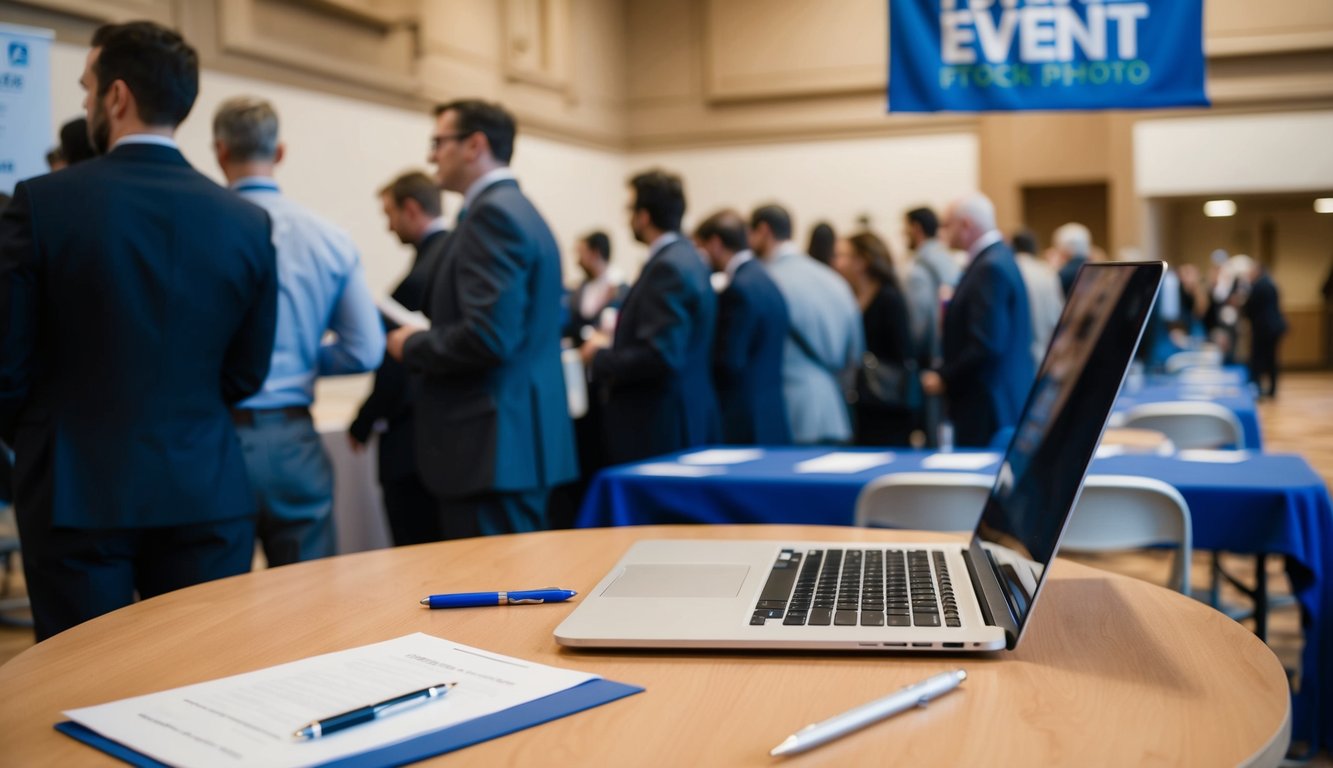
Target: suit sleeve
[985, 324]
[492, 285]
[18, 308]
[359, 342]
[736, 324]
[251, 349]
[659, 343]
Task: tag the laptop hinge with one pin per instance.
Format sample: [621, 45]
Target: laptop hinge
[990, 594]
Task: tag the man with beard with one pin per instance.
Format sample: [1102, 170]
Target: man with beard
[656, 378]
[139, 301]
[492, 418]
[414, 211]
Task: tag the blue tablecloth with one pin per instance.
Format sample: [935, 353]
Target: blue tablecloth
[1235, 397]
[1264, 504]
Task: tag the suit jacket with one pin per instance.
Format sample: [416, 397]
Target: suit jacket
[491, 413]
[139, 301]
[656, 379]
[987, 366]
[392, 395]
[823, 348]
[752, 326]
[1263, 309]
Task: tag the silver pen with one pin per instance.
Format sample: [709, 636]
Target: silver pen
[915, 695]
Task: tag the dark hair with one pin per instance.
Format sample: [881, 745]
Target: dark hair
[777, 219]
[599, 242]
[662, 195]
[491, 120]
[55, 155]
[727, 226]
[1024, 241]
[875, 252]
[415, 185]
[821, 242]
[74, 143]
[926, 219]
[158, 66]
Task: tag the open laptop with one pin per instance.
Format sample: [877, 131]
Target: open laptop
[900, 596]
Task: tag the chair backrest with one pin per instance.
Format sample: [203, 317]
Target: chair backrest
[1193, 358]
[1189, 423]
[925, 501]
[1126, 512]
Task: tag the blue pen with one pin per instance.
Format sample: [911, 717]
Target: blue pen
[477, 599]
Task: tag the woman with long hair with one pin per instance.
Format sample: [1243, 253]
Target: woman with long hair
[864, 261]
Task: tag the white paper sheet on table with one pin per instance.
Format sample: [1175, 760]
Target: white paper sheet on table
[672, 469]
[1211, 456]
[248, 719]
[969, 461]
[718, 456]
[843, 462]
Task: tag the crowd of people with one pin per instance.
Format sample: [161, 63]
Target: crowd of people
[162, 338]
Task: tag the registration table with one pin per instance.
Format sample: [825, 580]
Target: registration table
[1113, 671]
[1265, 503]
[1233, 396]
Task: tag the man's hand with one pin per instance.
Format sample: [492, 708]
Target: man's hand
[932, 383]
[396, 339]
[592, 345]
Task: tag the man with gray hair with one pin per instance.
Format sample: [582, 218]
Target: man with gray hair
[321, 288]
[1072, 243]
[987, 362]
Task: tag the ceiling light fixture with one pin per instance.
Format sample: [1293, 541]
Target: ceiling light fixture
[1219, 208]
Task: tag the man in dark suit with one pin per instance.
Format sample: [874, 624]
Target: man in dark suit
[139, 301]
[1267, 326]
[600, 289]
[655, 379]
[752, 327]
[987, 366]
[413, 208]
[493, 428]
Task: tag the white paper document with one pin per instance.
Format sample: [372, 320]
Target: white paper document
[970, 461]
[713, 456]
[843, 462]
[672, 469]
[1212, 456]
[402, 315]
[248, 719]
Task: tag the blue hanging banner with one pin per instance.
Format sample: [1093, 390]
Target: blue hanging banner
[1004, 55]
[25, 103]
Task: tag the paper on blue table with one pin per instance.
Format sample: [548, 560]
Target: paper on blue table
[712, 456]
[672, 469]
[843, 462]
[968, 461]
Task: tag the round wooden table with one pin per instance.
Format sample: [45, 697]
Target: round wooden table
[1113, 671]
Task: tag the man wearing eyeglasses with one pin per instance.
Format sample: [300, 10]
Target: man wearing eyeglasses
[492, 421]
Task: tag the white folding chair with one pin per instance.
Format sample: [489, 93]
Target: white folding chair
[1209, 357]
[1117, 512]
[926, 501]
[1189, 423]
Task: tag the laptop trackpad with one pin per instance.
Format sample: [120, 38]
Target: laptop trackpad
[679, 580]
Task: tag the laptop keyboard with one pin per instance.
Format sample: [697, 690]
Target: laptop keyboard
[850, 587]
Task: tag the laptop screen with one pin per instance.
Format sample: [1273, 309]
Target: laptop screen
[1042, 473]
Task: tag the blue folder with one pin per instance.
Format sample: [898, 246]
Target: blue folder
[586, 696]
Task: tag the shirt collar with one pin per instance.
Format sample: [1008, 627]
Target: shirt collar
[436, 225]
[982, 243]
[492, 176]
[255, 184]
[147, 138]
[662, 241]
[737, 259]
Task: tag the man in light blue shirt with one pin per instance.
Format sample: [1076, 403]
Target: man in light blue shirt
[321, 288]
[825, 340]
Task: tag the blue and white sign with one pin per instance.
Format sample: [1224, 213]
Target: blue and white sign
[25, 103]
[1001, 55]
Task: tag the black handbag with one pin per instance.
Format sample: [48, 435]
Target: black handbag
[885, 385]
